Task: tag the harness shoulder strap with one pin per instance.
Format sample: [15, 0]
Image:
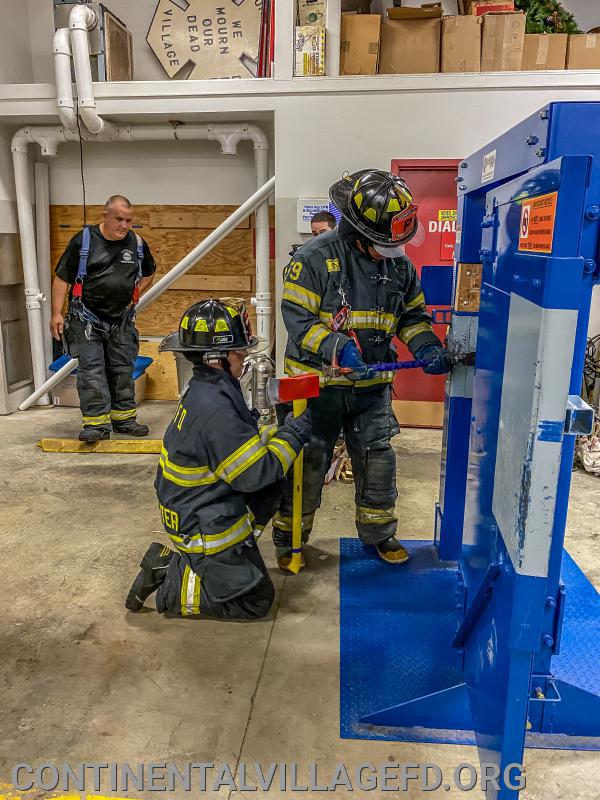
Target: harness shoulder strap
[84, 254]
[140, 253]
[140, 259]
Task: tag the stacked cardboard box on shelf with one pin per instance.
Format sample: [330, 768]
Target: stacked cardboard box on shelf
[309, 39]
[544, 51]
[583, 51]
[410, 40]
[461, 44]
[486, 36]
[359, 44]
[502, 41]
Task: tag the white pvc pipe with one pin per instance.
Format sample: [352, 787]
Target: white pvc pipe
[33, 295]
[61, 48]
[263, 285]
[81, 20]
[188, 261]
[42, 228]
[50, 137]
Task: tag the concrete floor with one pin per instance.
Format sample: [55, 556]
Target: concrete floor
[82, 680]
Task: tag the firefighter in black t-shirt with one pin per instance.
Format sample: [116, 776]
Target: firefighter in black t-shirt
[103, 269]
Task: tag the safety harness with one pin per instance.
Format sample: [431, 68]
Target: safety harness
[77, 306]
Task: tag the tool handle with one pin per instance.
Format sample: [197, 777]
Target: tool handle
[388, 366]
[295, 565]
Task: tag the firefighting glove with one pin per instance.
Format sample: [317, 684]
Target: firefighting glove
[350, 358]
[439, 359]
[301, 426]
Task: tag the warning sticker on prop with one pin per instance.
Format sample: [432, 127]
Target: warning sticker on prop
[447, 214]
[536, 231]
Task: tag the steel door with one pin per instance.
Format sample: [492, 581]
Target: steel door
[419, 398]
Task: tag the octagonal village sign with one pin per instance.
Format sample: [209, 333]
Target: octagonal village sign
[220, 38]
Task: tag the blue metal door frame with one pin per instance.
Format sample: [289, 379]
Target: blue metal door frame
[509, 436]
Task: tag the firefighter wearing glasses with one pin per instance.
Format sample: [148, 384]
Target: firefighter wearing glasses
[346, 294]
[218, 481]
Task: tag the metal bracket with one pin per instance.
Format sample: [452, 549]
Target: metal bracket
[478, 606]
[579, 419]
[543, 689]
[441, 316]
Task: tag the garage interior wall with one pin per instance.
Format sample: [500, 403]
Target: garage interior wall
[370, 130]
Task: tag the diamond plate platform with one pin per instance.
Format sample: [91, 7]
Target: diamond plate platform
[396, 627]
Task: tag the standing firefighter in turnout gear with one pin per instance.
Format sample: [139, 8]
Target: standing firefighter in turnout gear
[218, 480]
[103, 269]
[346, 294]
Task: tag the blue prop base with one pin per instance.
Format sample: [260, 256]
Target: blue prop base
[400, 679]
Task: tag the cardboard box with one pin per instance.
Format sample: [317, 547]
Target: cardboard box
[480, 7]
[544, 51]
[502, 42]
[461, 44]
[410, 41]
[583, 51]
[359, 44]
[312, 12]
[309, 50]
[65, 394]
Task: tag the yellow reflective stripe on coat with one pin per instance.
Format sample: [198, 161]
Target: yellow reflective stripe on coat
[419, 300]
[241, 459]
[406, 334]
[266, 432]
[376, 320]
[100, 419]
[120, 415]
[211, 543]
[284, 452]
[301, 297]
[190, 593]
[184, 476]
[374, 516]
[314, 337]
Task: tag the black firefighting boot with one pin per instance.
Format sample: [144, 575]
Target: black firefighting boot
[131, 428]
[392, 552]
[154, 566]
[91, 435]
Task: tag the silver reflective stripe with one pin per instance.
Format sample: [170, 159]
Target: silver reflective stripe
[283, 451]
[241, 459]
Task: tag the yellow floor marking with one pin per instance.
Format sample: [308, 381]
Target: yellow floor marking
[104, 446]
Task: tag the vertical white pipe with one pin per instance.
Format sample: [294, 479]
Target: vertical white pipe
[263, 285]
[62, 72]
[82, 19]
[42, 228]
[33, 296]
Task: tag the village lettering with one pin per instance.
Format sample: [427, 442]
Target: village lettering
[166, 25]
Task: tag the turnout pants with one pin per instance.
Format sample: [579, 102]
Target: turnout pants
[106, 356]
[233, 584]
[368, 424]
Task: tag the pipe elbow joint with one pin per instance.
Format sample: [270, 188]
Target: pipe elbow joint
[82, 18]
[257, 136]
[20, 141]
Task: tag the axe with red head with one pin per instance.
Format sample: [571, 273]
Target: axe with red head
[297, 390]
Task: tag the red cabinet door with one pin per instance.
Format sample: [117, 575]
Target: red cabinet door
[419, 398]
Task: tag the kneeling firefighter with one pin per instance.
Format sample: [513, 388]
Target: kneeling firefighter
[218, 480]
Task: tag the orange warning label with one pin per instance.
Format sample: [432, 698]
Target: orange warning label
[537, 223]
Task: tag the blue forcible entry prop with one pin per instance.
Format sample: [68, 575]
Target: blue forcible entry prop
[529, 233]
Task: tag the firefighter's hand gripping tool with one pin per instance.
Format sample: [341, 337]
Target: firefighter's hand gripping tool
[296, 390]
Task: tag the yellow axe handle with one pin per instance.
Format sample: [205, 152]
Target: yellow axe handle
[296, 563]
